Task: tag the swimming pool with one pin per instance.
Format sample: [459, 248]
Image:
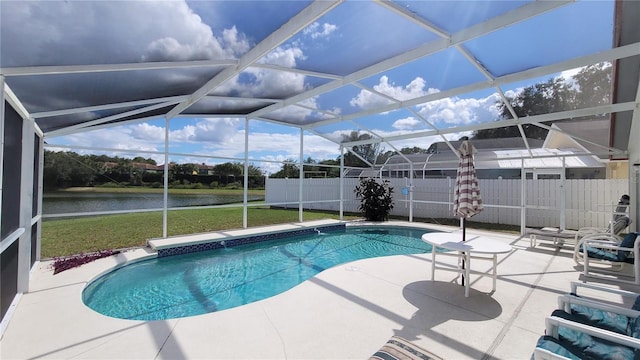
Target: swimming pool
[207, 281]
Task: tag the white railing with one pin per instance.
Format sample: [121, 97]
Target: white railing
[547, 202]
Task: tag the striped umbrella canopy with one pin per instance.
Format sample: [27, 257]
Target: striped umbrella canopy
[467, 201]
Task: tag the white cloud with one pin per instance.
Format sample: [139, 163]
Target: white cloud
[206, 130]
[186, 37]
[457, 111]
[265, 82]
[147, 132]
[367, 100]
[408, 123]
[131, 138]
[282, 56]
[316, 30]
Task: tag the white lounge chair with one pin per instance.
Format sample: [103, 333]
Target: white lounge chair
[566, 339]
[607, 254]
[598, 292]
[582, 327]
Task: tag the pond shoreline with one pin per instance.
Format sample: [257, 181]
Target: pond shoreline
[142, 189]
[90, 200]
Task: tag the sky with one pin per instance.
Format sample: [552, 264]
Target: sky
[354, 35]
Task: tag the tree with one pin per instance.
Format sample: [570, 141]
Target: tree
[254, 170]
[368, 152]
[413, 150]
[551, 96]
[62, 169]
[289, 170]
[331, 171]
[591, 86]
[140, 159]
[229, 169]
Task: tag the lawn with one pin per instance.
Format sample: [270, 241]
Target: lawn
[88, 234]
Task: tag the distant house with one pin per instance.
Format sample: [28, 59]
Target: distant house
[148, 167]
[137, 165]
[204, 169]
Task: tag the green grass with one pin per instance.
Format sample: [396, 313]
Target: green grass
[88, 234]
[64, 237]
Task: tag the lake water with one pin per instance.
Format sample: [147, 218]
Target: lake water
[57, 203]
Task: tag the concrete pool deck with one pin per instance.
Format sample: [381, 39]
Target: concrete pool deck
[346, 312]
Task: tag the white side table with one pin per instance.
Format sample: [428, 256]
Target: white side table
[474, 245]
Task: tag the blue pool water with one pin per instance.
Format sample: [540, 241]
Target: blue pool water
[198, 283]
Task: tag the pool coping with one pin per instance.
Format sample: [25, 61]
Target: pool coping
[185, 244]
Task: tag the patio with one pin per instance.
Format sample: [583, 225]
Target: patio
[258, 83]
[346, 312]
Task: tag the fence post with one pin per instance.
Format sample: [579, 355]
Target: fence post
[523, 199]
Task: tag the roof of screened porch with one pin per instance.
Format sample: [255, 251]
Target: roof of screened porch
[417, 58]
[402, 73]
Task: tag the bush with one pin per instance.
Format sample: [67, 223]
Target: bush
[61, 264]
[234, 185]
[376, 201]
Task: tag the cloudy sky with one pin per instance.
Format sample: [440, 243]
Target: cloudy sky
[352, 36]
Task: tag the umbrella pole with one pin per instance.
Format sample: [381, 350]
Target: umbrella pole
[464, 238]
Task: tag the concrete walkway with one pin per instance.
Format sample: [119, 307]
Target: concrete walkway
[346, 312]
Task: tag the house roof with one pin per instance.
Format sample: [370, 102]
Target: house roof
[326, 67]
[509, 153]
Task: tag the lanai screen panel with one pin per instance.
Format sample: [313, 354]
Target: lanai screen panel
[305, 64]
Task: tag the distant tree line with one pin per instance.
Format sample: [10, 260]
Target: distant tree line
[64, 169]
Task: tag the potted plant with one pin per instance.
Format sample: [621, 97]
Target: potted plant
[376, 201]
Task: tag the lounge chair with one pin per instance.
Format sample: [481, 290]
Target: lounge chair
[619, 220]
[603, 238]
[568, 339]
[587, 328]
[559, 237]
[609, 254]
[603, 315]
[593, 293]
[398, 348]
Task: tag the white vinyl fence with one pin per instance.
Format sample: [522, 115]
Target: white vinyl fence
[546, 202]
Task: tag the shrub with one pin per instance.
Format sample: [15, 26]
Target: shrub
[61, 264]
[376, 201]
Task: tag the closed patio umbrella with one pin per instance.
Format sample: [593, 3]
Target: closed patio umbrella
[467, 201]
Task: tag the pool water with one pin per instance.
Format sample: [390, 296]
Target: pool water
[198, 283]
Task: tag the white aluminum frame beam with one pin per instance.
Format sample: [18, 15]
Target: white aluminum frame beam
[628, 106]
[89, 124]
[78, 69]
